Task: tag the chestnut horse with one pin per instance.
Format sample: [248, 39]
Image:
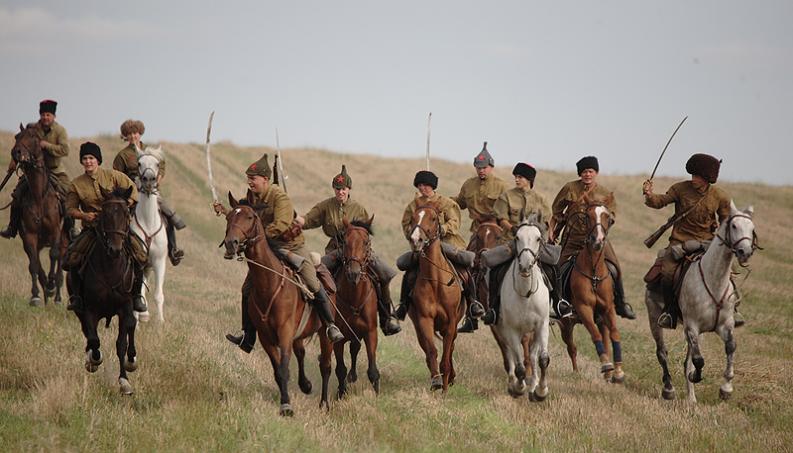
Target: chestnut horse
[357, 302]
[437, 296]
[42, 216]
[276, 306]
[592, 294]
[487, 236]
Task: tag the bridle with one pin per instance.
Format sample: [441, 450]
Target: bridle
[103, 232]
[148, 188]
[346, 256]
[249, 237]
[593, 277]
[428, 239]
[534, 257]
[733, 244]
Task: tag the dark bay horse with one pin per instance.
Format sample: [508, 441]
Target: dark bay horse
[106, 282]
[487, 236]
[357, 302]
[592, 294]
[437, 296]
[42, 216]
[276, 304]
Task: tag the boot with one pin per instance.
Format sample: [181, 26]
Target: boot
[469, 325]
[76, 290]
[173, 218]
[242, 340]
[408, 281]
[174, 253]
[325, 312]
[491, 316]
[13, 223]
[388, 322]
[622, 308]
[247, 338]
[137, 296]
[668, 320]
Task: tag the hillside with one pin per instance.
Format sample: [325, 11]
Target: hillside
[194, 391]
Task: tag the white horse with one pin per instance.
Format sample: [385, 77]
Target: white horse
[523, 322]
[707, 301]
[148, 224]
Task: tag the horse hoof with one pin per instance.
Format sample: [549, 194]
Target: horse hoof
[352, 377]
[514, 393]
[724, 396]
[286, 410]
[607, 367]
[340, 394]
[535, 397]
[92, 365]
[618, 378]
[143, 316]
[131, 365]
[436, 383]
[668, 394]
[305, 386]
[125, 387]
[376, 387]
[324, 405]
[693, 378]
[35, 301]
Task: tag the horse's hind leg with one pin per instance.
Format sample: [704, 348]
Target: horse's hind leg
[341, 369]
[300, 354]
[126, 321]
[618, 377]
[726, 334]
[159, 297]
[540, 357]
[326, 350]
[586, 314]
[654, 302]
[34, 268]
[355, 348]
[566, 327]
[425, 333]
[52, 285]
[692, 335]
[371, 354]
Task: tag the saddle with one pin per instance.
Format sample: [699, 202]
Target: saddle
[292, 262]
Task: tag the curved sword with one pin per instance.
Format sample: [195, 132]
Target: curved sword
[667, 145]
[209, 159]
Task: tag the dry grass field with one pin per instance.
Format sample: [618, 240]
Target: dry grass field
[196, 392]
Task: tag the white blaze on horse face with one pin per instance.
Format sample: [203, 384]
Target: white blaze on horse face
[600, 234]
[415, 236]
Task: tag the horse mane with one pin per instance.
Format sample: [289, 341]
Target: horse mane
[534, 219]
[362, 224]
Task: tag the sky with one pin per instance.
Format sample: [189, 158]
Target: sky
[542, 82]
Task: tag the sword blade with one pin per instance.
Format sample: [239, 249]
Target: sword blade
[667, 146]
[208, 149]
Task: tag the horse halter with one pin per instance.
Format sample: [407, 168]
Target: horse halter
[346, 259]
[733, 245]
[105, 232]
[248, 237]
[36, 159]
[429, 239]
[591, 230]
[148, 189]
[534, 255]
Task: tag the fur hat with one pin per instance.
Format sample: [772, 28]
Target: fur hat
[132, 126]
[260, 168]
[91, 148]
[525, 170]
[587, 162]
[342, 180]
[704, 165]
[483, 159]
[47, 106]
[425, 177]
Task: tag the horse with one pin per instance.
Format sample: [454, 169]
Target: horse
[277, 308]
[107, 280]
[525, 315]
[487, 235]
[42, 216]
[592, 294]
[149, 225]
[357, 303]
[437, 296]
[707, 302]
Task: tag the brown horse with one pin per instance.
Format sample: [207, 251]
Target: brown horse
[486, 237]
[437, 296]
[592, 294]
[277, 309]
[42, 216]
[105, 284]
[357, 303]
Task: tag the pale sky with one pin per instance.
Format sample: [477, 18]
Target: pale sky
[543, 82]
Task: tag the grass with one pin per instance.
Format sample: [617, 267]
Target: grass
[196, 392]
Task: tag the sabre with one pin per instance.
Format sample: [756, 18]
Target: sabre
[667, 145]
[280, 163]
[429, 120]
[209, 159]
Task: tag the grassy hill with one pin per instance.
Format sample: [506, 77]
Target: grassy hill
[194, 391]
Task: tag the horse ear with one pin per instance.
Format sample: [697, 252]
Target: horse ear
[128, 193]
[232, 201]
[371, 220]
[749, 211]
[21, 127]
[733, 208]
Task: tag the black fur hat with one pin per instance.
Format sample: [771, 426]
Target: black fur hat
[704, 165]
[426, 177]
[47, 106]
[92, 149]
[525, 170]
[587, 162]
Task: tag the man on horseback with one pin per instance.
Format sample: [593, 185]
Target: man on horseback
[698, 205]
[569, 213]
[276, 211]
[84, 202]
[509, 209]
[55, 144]
[478, 194]
[330, 214]
[126, 161]
[452, 243]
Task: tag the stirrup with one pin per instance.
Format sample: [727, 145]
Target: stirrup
[626, 311]
[401, 311]
[469, 326]
[476, 309]
[334, 334]
[490, 317]
[665, 321]
[138, 305]
[239, 340]
[391, 326]
[563, 309]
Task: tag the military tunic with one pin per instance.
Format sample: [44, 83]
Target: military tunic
[126, 162]
[86, 192]
[329, 215]
[449, 218]
[568, 210]
[515, 201]
[479, 196]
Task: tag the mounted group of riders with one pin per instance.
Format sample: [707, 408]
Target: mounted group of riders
[699, 204]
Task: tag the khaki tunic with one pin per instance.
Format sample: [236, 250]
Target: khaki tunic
[570, 212]
[511, 203]
[449, 218]
[126, 162]
[479, 196]
[86, 192]
[56, 147]
[329, 215]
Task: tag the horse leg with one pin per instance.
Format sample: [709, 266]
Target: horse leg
[341, 368]
[326, 350]
[131, 364]
[618, 377]
[371, 354]
[144, 292]
[566, 327]
[605, 335]
[34, 268]
[653, 312]
[93, 356]
[275, 356]
[424, 333]
[126, 321]
[586, 314]
[517, 370]
[300, 354]
[57, 277]
[688, 367]
[355, 348]
[50, 288]
[540, 357]
[159, 297]
[692, 335]
[285, 347]
[725, 391]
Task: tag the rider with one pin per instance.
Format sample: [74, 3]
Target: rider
[699, 203]
[569, 213]
[276, 212]
[513, 205]
[126, 161]
[84, 202]
[449, 223]
[55, 144]
[478, 194]
[329, 214]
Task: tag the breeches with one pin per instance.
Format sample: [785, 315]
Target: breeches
[307, 270]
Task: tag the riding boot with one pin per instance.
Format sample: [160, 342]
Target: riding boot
[75, 285]
[247, 339]
[13, 223]
[174, 253]
[622, 307]
[491, 316]
[668, 319]
[560, 308]
[173, 218]
[475, 309]
[325, 312]
[138, 303]
[388, 322]
[408, 282]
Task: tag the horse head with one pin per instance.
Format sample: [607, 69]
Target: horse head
[149, 168]
[27, 145]
[242, 226]
[528, 238]
[598, 220]
[739, 234]
[488, 233]
[356, 248]
[114, 221]
[426, 226]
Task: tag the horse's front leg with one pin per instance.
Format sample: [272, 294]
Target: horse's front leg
[726, 334]
[159, 297]
[285, 348]
[274, 354]
[514, 361]
[654, 302]
[371, 354]
[424, 333]
[586, 314]
[325, 353]
[34, 268]
[539, 354]
[126, 322]
[93, 356]
[446, 354]
[692, 336]
[52, 284]
[300, 354]
[341, 368]
[618, 376]
[566, 326]
[355, 348]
